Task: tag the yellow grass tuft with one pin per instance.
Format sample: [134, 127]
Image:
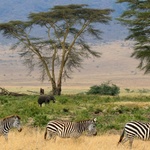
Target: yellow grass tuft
[33, 139]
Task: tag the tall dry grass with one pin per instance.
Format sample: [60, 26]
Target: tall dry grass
[32, 139]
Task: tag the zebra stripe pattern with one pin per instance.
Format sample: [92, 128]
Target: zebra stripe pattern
[67, 129]
[135, 129]
[9, 122]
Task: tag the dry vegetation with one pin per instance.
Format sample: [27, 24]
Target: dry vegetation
[115, 65]
[32, 139]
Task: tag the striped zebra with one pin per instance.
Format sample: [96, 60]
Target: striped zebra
[9, 122]
[135, 129]
[67, 129]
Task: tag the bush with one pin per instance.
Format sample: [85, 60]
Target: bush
[40, 120]
[104, 89]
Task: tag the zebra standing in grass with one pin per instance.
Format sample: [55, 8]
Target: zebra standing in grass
[9, 122]
[135, 129]
[67, 129]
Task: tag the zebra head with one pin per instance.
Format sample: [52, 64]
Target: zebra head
[16, 123]
[92, 127]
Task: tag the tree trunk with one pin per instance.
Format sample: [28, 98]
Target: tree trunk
[53, 87]
[56, 90]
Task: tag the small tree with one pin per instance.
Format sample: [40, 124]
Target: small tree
[63, 47]
[137, 18]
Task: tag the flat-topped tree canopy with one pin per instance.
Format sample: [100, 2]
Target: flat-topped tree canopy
[63, 45]
[72, 13]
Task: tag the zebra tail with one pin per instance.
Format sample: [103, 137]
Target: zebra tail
[45, 134]
[121, 137]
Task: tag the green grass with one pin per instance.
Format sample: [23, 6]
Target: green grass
[111, 112]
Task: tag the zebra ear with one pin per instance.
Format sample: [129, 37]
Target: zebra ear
[17, 117]
[95, 119]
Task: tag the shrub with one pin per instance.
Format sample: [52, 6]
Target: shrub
[63, 101]
[40, 120]
[3, 101]
[104, 89]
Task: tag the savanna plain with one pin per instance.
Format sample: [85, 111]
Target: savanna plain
[111, 112]
[31, 139]
[115, 65]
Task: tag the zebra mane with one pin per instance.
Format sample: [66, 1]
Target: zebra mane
[8, 117]
[82, 121]
[94, 120]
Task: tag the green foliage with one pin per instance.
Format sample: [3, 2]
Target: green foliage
[144, 91]
[111, 112]
[63, 101]
[136, 17]
[104, 89]
[3, 100]
[129, 91]
[40, 120]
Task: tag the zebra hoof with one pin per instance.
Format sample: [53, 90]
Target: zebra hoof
[20, 130]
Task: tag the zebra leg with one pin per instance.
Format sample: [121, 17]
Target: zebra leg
[75, 135]
[122, 137]
[130, 142]
[52, 135]
[6, 136]
[45, 134]
[125, 140]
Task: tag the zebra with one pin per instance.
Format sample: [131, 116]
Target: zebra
[135, 129]
[9, 122]
[68, 129]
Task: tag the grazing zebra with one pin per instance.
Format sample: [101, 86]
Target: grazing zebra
[9, 122]
[67, 129]
[135, 129]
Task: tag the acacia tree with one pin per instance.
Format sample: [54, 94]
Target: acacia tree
[62, 49]
[137, 19]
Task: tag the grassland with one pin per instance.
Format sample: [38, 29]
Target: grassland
[111, 112]
[32, 139]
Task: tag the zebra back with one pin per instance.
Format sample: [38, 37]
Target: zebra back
[67, 129]
[138, 129]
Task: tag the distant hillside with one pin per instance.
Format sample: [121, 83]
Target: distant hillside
[115, 65]
[19, 10]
